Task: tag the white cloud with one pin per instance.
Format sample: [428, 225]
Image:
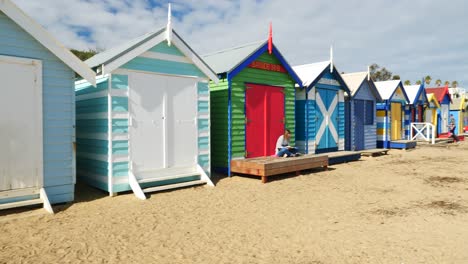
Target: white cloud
[411, 39]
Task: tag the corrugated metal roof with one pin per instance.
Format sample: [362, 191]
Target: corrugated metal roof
[309, 72]
[354, 80]
[387, 88]
[225, 60]
[412, 92]
[113, 53]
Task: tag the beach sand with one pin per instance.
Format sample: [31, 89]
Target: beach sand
[410, 206]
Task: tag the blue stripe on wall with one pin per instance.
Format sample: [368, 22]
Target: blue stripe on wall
[119, 81]
[164, 48]
[161, 66]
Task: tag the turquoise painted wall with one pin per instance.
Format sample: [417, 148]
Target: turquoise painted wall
[58, 108]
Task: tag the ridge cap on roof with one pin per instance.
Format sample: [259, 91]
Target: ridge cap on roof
[258, 42]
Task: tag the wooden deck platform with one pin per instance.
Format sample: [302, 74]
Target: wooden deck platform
[402, 144]
[373, 152]
[343, 156]
[269, 166]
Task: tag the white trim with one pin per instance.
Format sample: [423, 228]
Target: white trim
[165, 57]
[136, 188]
[204, 176]
[133, 53]
[193, 57]
[45, 201]
[46, 39]
[109, 137]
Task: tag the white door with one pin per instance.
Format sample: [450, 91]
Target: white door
[428, 117]
[444, 109]
[163, 131]
[20, 124]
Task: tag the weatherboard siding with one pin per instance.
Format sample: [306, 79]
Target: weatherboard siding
[92, 130]
[118, 155]
[257, 76]
[58, 104]
[219, 123]
[370, 131]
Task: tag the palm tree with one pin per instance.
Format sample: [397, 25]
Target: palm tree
[446, 83]
[454, 84]
[427, 79]
[438, 82]
[418, 82]
[407, 82]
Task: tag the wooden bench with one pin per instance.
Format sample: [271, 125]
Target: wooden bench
[268, 166]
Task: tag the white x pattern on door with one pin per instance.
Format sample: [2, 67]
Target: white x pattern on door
[326, 117]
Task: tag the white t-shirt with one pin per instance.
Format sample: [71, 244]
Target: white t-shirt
[280, 143]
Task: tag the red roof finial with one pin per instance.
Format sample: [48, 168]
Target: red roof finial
[270, 40]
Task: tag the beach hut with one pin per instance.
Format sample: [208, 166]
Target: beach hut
[361, 106]
[252, 104]
[458, 110]
[433, 106]
[36, 113]
[320, 108]
[414, 110]
[390, 116]
[146, 127]
[443, 97]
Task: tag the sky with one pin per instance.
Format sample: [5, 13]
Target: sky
[410, 38]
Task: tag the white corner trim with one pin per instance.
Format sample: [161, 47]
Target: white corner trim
[46, 39]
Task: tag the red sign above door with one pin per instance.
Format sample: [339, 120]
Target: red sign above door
[267, 66]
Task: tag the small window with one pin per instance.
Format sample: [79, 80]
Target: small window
[369, 113]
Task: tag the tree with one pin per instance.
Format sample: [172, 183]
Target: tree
[446, 83]
[418, 82]
[454, 84]
[428, 79]
[407, 82]
[84, 54]
[396, 77]
[438, 82]
[379, 74]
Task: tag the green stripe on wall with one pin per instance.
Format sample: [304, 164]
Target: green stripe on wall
[119, 81]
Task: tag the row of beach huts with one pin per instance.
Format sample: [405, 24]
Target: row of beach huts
[152, 114]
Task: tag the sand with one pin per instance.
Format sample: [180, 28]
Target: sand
[406, 207]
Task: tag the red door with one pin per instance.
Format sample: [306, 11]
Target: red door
[264, 107]
[420, 113]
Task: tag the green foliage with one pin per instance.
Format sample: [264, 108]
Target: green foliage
[418, 82]
[454, 84]
[428, 79]
[438, 82]
[379, 73]
[407, 82]
[84, 54]
[396, 77]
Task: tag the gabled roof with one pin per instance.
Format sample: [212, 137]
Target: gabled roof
[356, 79]
[235, 59]
[431, 98]
[311, 73]
[388, 88]
[458, 103]
[414, 92]
[113, 58]
[226, 60]
[439, 92]
[47, 40]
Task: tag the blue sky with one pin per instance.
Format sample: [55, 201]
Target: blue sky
[410, 38]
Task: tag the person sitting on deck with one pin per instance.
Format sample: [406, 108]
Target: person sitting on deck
[282, 146]
[452, 127]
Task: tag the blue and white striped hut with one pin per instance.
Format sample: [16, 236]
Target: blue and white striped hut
[320, 109]
[36, 113]
[390, 116]
[147, 125]
[361, 108]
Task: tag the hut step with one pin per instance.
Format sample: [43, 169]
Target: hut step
[171, 177]
[20, 203]
[174, 186]
[43, 199]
